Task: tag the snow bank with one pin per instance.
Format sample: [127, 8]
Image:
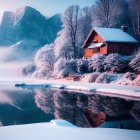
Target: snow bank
[133, 91]
[45, 131]
[130, 93]
[90, 77]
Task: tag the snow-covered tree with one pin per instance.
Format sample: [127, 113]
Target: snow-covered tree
[64, 68]
[134, 6]
[104, 78]
[44, 61]
[70, 68]
[67, 42]
[45, 57]
[107, 13]
[135, 62]
[127, 79]
[27, 70]
[129, 75]
[70, 23]
[96, 63]
[59, 66]
[85, 24]
[116, 63]
[82, 66]
[136, 82]
[63, 48]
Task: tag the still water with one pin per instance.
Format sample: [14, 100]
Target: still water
[23, 106]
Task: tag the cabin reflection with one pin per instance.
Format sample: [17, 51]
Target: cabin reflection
[23, 106]
[89, 110]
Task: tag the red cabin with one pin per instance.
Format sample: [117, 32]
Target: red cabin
[109, 40]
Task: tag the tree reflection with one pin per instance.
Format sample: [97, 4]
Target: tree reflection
[135, 110]
[44, 100]
[80, 109]
[111, 106]
[65, 105]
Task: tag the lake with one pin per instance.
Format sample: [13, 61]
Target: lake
[34, 105]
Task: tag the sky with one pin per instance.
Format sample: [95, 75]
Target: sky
[46, 7]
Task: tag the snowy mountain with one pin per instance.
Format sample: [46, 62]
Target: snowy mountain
[6, 28]
[28, 24]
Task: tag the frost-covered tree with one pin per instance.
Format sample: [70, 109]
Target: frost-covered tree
[45, 57]
[135, 62]
[85, 24]
[63, 48]
[70, 68]
[64, 68]
[104, 78]
[136, 82]
[82, 66]
[116, 63]
[59, 66]
[67, 43]
[130, 76]
[70, 20]
[96, 63]
[108, 13]
[44, 61]
[27, 70]
[134, 6]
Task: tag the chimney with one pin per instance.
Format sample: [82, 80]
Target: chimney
[124, 28]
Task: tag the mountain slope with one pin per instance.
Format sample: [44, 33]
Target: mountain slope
[6, 27]
[29, 24]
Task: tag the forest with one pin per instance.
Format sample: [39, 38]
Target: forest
[64, 57]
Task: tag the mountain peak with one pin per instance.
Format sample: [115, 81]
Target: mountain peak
[28, 23]
[24, 8]
[8, 13]
[25, 11]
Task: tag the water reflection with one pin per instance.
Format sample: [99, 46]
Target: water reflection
[18, 107]
[44, 100]
[84, 110]
[88, 110]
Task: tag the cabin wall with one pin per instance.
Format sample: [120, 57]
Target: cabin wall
[121, 48]
[110, 47]
[89, 52]
[95, 36]
[98, 38]
[103, 50]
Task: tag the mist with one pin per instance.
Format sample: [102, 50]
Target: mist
[10, 69]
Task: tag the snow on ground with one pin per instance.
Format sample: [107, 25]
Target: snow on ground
[49, 131]
[131, 91]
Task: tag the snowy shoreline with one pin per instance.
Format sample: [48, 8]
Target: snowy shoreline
[108, 89]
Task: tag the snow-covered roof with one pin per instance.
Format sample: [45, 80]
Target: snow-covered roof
[95, 45]
[115, 35]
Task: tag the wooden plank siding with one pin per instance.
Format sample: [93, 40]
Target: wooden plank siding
[104, 50]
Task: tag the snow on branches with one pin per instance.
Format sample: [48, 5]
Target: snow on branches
[135, 62]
